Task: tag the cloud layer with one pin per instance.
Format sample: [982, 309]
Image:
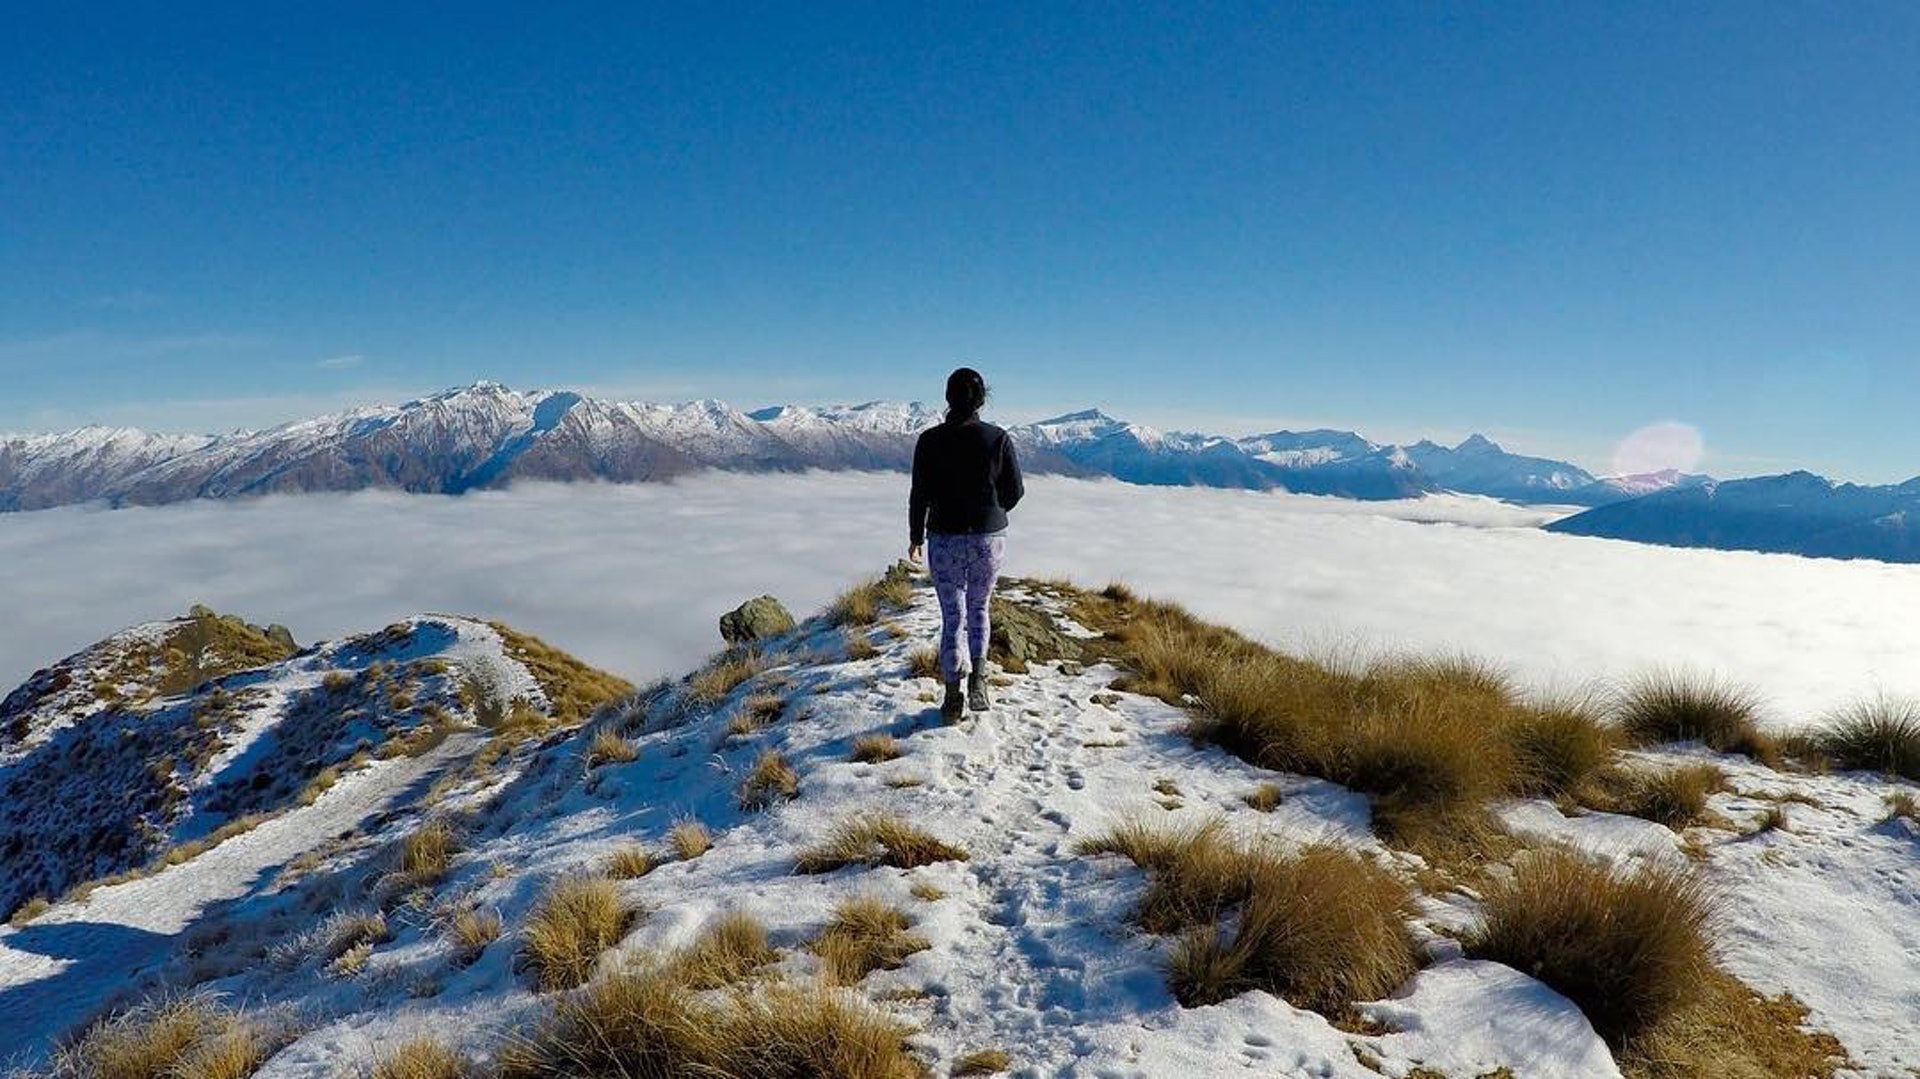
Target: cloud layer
[634, 578]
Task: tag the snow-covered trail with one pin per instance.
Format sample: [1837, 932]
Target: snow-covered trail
[60, 968]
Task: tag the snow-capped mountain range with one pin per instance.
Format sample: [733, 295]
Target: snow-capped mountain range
[1797, 513]
[488, 435]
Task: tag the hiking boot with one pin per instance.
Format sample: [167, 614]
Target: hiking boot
[955, 704]
[977, 698]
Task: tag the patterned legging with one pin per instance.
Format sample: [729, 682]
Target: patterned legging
[964, 569]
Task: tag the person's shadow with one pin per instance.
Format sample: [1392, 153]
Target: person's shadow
[98, 956]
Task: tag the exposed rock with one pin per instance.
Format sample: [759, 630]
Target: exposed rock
[282, 636]
[755, 620]
[1023, 635]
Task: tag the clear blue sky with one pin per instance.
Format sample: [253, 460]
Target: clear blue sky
[1552, 222]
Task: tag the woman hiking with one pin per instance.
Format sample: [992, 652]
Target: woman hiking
[965, 479]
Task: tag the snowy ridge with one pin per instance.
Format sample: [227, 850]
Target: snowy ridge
[1029, 945]
[488, 435]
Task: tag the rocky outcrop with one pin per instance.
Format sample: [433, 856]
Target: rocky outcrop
[755, 620]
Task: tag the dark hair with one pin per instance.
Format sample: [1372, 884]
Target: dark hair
[966, 392]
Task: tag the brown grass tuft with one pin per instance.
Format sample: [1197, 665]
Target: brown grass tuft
[1558, 746]
[1321, 928]
[689, 839]
[185, 1036]
[421, 1058]
[647, 1023]
[470, 930]
[1880, 735]
[982, 1062]
[876, 838]
[1630, 947]
[610, 747]
[728, 949]
[575, 921]
[1671, 706]
[427, 852]
[1675, 797]
[629, 861]
[1902, 804]
[863, 604]
[875, 749]
[771, 780]
[865, 935]
[859, 647]
[725, 673]
[923, 663]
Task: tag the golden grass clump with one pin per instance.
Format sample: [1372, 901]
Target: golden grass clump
[575, 921]
[859, 647]
[351, 930]
[982, 1062]
[647, 1023]
[1321, 928]
[1903, 805]
[725, 673]
[1675, 797]
[183, 1036]
[863, 604]
[1633, 948]
[28, 911]
[1671, 706]
[427, 852]
[876, 838]
[1630, 947]
[1265, 798]
[421, 1058]
[1558, 746]
[926, 892]
[689, 839]
[923, 662]
[865, 934]
[610, 747]
[728, 949]
[772, 779]
[1880, 735]
[574, 691]
[470, 930]
[629, 861]
[875, 749]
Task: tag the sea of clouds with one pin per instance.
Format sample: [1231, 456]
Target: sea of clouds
[634, 578]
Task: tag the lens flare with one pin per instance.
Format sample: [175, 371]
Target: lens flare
[1658, 447]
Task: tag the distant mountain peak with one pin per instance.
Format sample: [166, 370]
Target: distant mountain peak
[1478, 443]
[1085, 415]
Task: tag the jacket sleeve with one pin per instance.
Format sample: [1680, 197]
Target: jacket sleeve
[917, 497]
[1009, 485]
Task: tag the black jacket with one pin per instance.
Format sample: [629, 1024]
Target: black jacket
[965, 479]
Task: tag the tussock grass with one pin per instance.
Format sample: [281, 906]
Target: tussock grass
[865, 602]
[772, 779]
[610, 747]
[859, 647]
[421, 1058]
[1902, 804]
[982, 1062]
[427, 852]
[876, 838]
[1630, 947]
[1321, 928]
[646, 1023]
[629, 861]
[1675, 797]
[725, 673]
[926, 892]
[192, 1036]
[865, 934]
[689, 839]
[574, 691]
[575, 921]
[875, 749]
[470, 930]
[26, 912]
[1265, 798]
[1880, 735]
[1672, 706]
[1558, 746]
[350, 930]
[923, 663]
[728, 949]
